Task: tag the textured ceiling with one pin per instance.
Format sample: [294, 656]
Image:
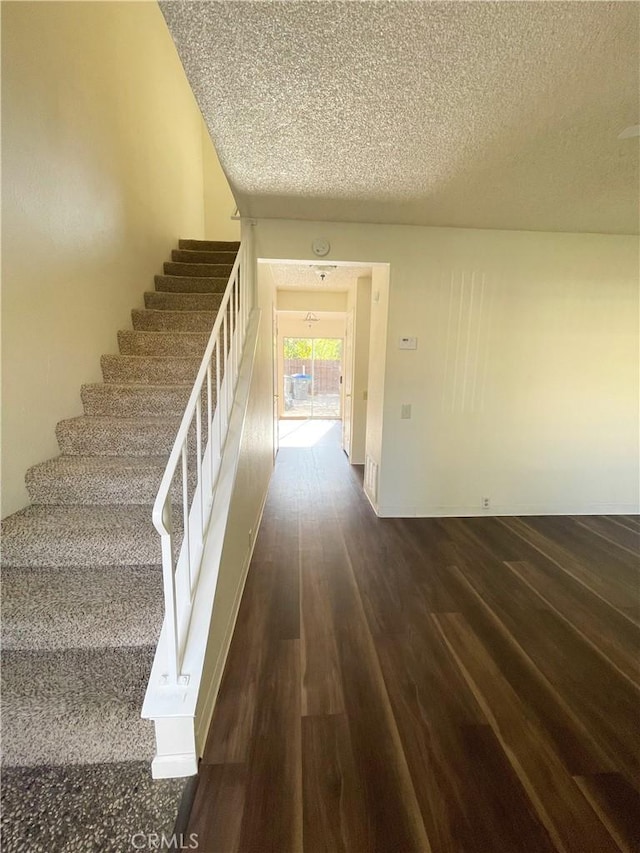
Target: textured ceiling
[476, 114]
[305, 277]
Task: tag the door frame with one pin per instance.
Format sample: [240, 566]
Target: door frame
[280, 367]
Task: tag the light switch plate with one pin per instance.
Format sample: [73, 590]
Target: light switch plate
[408, 343]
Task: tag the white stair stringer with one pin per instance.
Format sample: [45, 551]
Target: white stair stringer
[173, 708]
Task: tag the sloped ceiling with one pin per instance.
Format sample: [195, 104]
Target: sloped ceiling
[472, 114]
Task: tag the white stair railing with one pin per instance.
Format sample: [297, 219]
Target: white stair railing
[201, 439]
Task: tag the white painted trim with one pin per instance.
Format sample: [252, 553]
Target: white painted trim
[524, 509]
[173, 707]
[203, 719]
[174, 766]
[370, 499]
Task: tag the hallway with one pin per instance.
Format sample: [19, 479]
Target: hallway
[424, 684]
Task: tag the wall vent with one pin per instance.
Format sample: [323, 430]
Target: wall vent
[371, 478]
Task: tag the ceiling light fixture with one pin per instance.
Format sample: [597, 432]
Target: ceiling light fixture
[323, 272]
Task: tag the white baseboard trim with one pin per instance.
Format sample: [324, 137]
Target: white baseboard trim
[524, 509]
[174, 766]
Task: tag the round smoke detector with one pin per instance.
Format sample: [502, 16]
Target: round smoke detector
[320, 247]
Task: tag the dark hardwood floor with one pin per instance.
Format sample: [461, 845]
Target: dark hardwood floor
[446, 685]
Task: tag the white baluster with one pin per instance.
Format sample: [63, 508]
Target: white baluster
[180, 575]
[200, 486]
[185, 513]
[169, 584]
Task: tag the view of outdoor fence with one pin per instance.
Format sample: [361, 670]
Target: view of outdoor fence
[312, 372]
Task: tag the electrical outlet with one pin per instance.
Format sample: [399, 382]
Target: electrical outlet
[486, 503]
[408, 343]
[405, 411]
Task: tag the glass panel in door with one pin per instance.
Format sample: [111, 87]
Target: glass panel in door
[312, 371]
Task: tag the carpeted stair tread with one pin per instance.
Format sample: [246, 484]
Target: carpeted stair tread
[210, 245]
[83, 593]
[94, 808]
[162, 342]
[70, 607]
[158, 300]
[53, 535]
[199, 270]
[149, 368]
[191, 284]
[201, 256]
[106, 480]
[103, 399]
[75, 706]
[156, 320]
[105, 436]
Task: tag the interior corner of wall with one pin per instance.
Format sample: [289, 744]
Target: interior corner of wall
[218, 199]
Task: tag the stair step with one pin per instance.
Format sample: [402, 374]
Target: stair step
[191, 284]
[167, 301]
[162, 342]
[210, 245]
[108, 480]
[42, 535]
[198, 256]
[75, 706]
[152, 320]
[42, 805]
[69, 607]
[106, 399]
[198, 270]
[82, 581]
[84, 436]
[155, 369]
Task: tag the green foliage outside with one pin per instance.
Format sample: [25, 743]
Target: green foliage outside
[322, 349]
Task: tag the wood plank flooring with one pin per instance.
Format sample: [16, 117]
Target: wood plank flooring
[446, 685]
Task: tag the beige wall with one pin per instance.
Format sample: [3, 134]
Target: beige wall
[524, 386]
[360, 386]
[377, 370]
[311, 300]
[102, 160]
[291, 324]
[219, 204]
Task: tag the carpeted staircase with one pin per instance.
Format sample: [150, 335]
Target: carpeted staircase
[82, 585]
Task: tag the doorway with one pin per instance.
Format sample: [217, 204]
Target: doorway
[312, 302]
[312, 377]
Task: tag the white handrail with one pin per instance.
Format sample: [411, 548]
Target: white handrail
[180, 571]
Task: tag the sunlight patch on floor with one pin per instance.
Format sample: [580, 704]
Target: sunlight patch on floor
[304, 433]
